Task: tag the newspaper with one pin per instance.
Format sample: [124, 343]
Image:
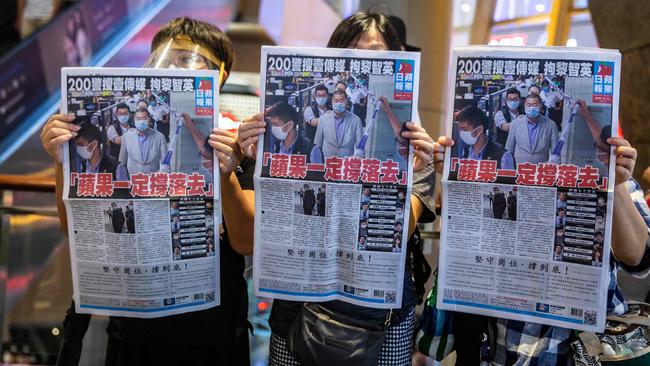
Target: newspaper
[332, 188]
[527, 209]
[140, 190]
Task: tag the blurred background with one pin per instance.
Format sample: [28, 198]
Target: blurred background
[38, 37]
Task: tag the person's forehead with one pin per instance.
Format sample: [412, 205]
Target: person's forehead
[512, 96]
[321, 92]
[338, 96]
[532, 101]
[370, 40]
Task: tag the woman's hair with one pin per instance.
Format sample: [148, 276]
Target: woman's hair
[349, 31]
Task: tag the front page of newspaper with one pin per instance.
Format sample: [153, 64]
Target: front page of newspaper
[140, 190]
[528, 185]
[333, 175]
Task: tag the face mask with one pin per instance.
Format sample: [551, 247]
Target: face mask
[84, 153]
[279, 133]
[141, 125]
[338, 107]
[532, 112]
[546, 89]
[153, 104]
[321, 101]
[512, 104]
[123, 119]
[467, 137]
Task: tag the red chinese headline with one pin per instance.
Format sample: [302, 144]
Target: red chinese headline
[141, 185]
[348, 169]
[542, 174]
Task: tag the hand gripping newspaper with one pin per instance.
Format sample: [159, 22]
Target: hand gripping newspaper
[333, 175]
[527, 199]
[140, 190]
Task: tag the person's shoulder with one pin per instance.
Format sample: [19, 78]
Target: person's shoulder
[157, 134]
[352, 116]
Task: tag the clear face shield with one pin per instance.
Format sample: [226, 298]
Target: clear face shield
[181, 53]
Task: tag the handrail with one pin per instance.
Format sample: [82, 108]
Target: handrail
[26, 183]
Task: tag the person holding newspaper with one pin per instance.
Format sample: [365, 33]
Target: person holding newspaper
[370, 31]
[522, 343]
[217, 336]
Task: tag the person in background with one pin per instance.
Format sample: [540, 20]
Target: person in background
[309, 200]
[117, 218]
[159, 112]
[500, 204]
[130, 219]
[512, 205]
[283, 127]
[143, 148]
[93, 158]
[338, 133]
[532, 137]
[320, 201]
[118, 128]
[315, 110]
[472, 123]
[510, 111]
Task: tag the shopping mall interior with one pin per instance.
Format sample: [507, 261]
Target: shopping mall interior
[39, 37]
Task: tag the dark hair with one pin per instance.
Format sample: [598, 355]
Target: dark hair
[533, 86]
[473, 116]
[513, 91]
[337, 91]
[605, 133]
[283, 111]
[202, 33]
[599, 233]
[545, 82]
[141, 110]
[122, 106]
[89, 132]
[535, 96]
[340, 82]
[351, 28]
[321, 87]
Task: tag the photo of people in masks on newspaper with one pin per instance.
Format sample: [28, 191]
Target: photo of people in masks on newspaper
[334, 173]
[140, 167]
[527, 186]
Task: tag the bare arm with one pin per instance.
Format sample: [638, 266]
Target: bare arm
[629, 230]
[416, 211]
[58, 192]
[238, 207]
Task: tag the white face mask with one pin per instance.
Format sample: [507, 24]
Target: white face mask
[84, 153]
[279, 133]
[467, 137]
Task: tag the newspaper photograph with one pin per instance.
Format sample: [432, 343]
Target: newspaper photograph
[140, 190]
[527, 192]
[334, 174]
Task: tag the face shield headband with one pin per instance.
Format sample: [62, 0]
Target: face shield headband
[181, 53]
